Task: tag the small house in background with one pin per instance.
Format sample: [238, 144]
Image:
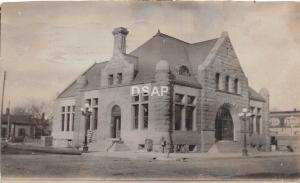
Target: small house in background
[24, 126]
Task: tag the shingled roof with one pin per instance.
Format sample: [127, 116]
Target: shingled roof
[159, 47]
[173, 50]
[92, 74]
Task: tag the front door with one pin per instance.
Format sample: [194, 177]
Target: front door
[116, 122]
[223, 125]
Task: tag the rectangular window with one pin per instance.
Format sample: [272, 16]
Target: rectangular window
[145, 115]
[136, 98]
[62, 109]
[236, 85]
[251, 125]
[95, 101]
[227, 83]
[89, 122]
[217, 79]
[68, 121]
[189, 118]
[119, 78]
[179, 98]
[95, 112]
[252, 109]
[145, 96]
[62, 122]
[258, 124]
[190, 100]
[73, 108]
[69, 108]
[178, 116]
[110, 79]
[88, 101]
[258, 111]
[3, 132]
[21, 132]
[73, 121]
[135, 116]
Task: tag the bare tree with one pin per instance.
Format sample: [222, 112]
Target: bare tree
[34, 108]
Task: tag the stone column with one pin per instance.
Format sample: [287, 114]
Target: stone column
[265, 118]
[160, 107]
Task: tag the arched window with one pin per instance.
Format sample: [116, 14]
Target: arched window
[217, 80]
[183, 70]
[236, 85]
[227, 83]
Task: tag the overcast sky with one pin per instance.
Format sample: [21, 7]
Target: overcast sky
[46, 45]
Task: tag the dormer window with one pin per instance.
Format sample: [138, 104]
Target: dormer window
[110, 79]
[183, 70]
[119, 78]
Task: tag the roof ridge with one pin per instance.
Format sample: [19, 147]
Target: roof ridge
[204, 41]
[165, 35]
[74, 81]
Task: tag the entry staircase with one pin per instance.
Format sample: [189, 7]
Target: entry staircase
[226, 146]
[91, 136]
[109, 145]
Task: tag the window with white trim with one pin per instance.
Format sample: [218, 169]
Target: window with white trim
[184, 112]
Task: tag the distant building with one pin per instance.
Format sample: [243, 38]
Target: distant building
[285, 123]
[204, 87]
[21, 126]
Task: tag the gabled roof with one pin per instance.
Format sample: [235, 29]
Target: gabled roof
[159, 47]
[253, 95]
[93, 75]
[176, 52]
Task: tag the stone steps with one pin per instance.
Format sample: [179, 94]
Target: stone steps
[118, 146]
[109, 145]
[225, 146]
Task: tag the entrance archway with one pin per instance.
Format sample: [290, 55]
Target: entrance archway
[223, 124]
[116, 122]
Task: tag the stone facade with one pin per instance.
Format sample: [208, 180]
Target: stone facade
[195, 81]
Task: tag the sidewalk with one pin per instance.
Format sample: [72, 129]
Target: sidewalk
[17, 148]
[183, 156]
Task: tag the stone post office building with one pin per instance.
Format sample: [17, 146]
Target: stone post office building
[196, 91]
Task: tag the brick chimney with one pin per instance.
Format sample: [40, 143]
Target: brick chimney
[120, 34]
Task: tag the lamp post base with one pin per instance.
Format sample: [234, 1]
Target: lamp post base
[85, 149]
[245, 152]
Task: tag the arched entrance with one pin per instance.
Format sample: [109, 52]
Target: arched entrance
[116, 122]
[223, 124]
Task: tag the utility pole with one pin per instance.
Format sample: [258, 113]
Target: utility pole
[3, 90]
[2, 101]
[8, 120]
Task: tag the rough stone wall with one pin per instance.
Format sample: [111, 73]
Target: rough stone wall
[226, 63]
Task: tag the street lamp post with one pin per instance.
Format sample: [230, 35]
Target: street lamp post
[86, 112]
[244, 116]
